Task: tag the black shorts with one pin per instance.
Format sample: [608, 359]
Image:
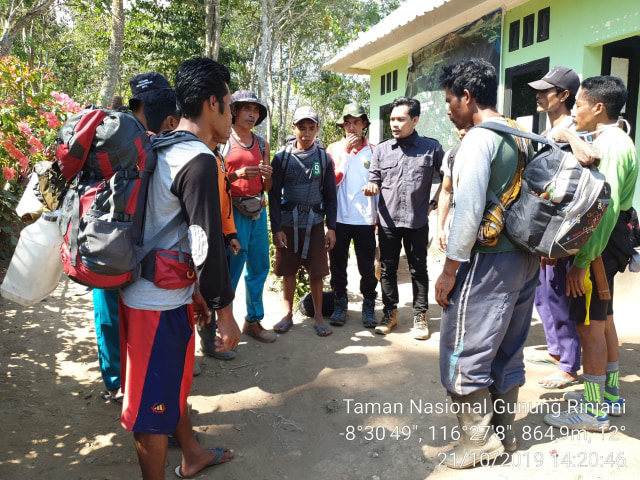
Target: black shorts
[598, 309]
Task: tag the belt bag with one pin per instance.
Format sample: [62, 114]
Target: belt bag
[249, 206]
[171, 269]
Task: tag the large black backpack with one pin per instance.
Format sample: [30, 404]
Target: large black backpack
[578, 197]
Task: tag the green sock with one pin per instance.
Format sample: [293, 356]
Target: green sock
[612, 383]
[594, 393]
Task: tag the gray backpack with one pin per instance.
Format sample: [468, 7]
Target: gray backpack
[578, 197]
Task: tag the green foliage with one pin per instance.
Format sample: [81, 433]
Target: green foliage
[29, 118]
[10, 224]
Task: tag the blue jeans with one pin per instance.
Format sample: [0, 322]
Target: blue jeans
[105, 311]
[254, 253]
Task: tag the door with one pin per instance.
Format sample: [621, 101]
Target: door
[622, 59]
[520, 98]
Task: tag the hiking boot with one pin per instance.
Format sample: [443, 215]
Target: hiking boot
[613, 408]
[504, 413]
[388, 322]
[420, 330]
[578, 420]
[255, 330]
[368, 313]
[478, 443]
[339, 315]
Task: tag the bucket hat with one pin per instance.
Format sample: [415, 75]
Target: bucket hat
[247, 96]
[352, 110]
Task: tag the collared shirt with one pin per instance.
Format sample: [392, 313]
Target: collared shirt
[403, 170]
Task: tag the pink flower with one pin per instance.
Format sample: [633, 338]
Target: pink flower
[24, 128]
[11, 102]
[8, 173]
[35, 144]
[51, 119]
[24, 161]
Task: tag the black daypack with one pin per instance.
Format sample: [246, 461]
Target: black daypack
[578, 197]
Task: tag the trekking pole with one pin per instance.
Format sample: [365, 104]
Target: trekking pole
[601, 279]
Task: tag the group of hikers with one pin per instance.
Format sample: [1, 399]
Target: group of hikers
[319, 201]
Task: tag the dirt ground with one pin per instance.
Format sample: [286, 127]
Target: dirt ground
[293, 409]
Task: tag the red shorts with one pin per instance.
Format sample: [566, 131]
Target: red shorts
[157, 354]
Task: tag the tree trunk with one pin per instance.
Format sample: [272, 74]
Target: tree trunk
[213, 28]
[17, 18]
[264, 60]
[115, 52]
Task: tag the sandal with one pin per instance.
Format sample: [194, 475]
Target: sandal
[282, 326]
[214, 462]
[323, 331]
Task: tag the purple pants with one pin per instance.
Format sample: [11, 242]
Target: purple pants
[552, 305]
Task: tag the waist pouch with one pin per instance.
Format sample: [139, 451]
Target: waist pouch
[169, 269]
[249, 206]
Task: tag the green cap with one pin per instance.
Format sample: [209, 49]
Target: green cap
[353, 110]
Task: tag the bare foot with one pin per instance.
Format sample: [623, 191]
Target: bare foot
[284, 325]
[209, 457]
[559, 379]
[321, 328]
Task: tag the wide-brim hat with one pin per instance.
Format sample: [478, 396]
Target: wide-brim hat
[354, 110]
[247, 96]
[561, 77]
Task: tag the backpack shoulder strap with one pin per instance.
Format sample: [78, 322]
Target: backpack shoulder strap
[262, 145]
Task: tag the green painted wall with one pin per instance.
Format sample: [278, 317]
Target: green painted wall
[577, 31]
[378, 100]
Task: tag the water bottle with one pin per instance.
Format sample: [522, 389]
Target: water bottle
[35, 267]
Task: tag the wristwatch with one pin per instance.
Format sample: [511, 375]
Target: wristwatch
[433, 203]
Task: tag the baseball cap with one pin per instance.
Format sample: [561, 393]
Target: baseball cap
[144, 83]
[352, 110]
[247, 96]
[303, 113]
[561, 77]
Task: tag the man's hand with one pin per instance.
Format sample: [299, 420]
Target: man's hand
[234, 246]
[266, 171]
[442, 240]
[370, 190]
[330, 239]
[575, 281]
[446, 281]
[352, 140]
[584, 152]
[229, 332]
[247, 173]
[201, 312]
[280, 240]
[544, 261]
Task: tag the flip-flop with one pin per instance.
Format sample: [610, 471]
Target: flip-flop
[282, 326]
[221, 451]
[107, 396]
[540, 361]
[322, 331]
[563, 383]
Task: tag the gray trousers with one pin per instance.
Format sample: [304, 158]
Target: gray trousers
[484, 330]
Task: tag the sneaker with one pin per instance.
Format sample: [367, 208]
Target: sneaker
[224, 356]
[368, 313]
[388, 322]
[339, 315]
[420, 330]
[576, 420]
[614, 409]
[255, 330]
